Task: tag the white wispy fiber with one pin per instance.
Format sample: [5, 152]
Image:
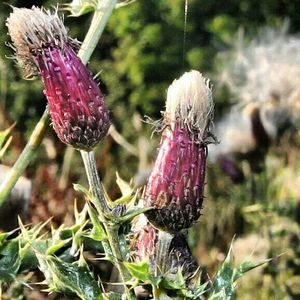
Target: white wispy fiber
[189, 99]
[234, 133]
[266, 71]
[30, 30]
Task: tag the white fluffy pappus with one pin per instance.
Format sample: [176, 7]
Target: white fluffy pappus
[235, 135]
[189, 99]
[264, 69]
[30, 30]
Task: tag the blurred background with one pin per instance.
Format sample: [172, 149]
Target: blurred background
[251, 52]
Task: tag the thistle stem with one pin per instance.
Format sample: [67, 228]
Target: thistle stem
[100, 18]
[95, 184]
[89, 44]
[104, 213]
[26, 156]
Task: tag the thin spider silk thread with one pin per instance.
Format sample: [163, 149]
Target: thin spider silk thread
[184, 32]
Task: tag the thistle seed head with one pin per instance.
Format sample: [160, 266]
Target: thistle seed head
[189, 100]
[31, 30]
[175, 187]
[76, 103]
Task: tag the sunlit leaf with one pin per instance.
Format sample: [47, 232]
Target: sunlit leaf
[80, 188]
[124, 186]
[4, 134]
[81, 7]
[57, 246]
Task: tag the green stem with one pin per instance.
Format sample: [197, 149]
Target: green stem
[26, 156]
[95, 184]
[93, 35]
[100, 18]
[104, 213]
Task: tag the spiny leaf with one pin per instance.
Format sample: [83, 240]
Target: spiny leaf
[128, 200]
[173, 281]
[66, 233]
[139, 270]
[124, 3]
[54, 248]
[200, 290]
[131, 213]
[248, 266]
[123, 200]
[98, 232]
[80, 188]
[69, 277]
[10, 261]
[4, 236]
[224, 282]
[124, 186]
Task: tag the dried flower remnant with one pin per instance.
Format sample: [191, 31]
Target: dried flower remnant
[175, 186]
[75, 101]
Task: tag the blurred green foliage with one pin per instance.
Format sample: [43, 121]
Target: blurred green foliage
[141, 51]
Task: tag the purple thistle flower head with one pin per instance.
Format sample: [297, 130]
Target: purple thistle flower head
[175, 187]
[75, 101]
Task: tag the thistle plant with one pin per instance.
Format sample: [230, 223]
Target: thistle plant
[175, 187]
[155, 252]
[75, 101]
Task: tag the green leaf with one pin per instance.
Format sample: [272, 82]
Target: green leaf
[173, 281]
[131, 213]
[10, 261]
[123, 200]
[98, 233]
[224, 282]
[80, 188]
[139, 270]
[67, 233]
[80, 7]
[200, 290]
[4, 134]
[5, 140]
[124, 186]
[248, 266]
[69, 277]
[4, 236]
[54, 248]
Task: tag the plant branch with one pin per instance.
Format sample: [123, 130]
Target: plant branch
[26, 156]
[89, 44]
[104, 214]
[100, 18]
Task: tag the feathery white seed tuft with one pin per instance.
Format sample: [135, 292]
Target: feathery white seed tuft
[189, 100]
[31, 30]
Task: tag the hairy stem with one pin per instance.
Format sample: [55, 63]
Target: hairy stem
[93, 35]
[104, 213]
